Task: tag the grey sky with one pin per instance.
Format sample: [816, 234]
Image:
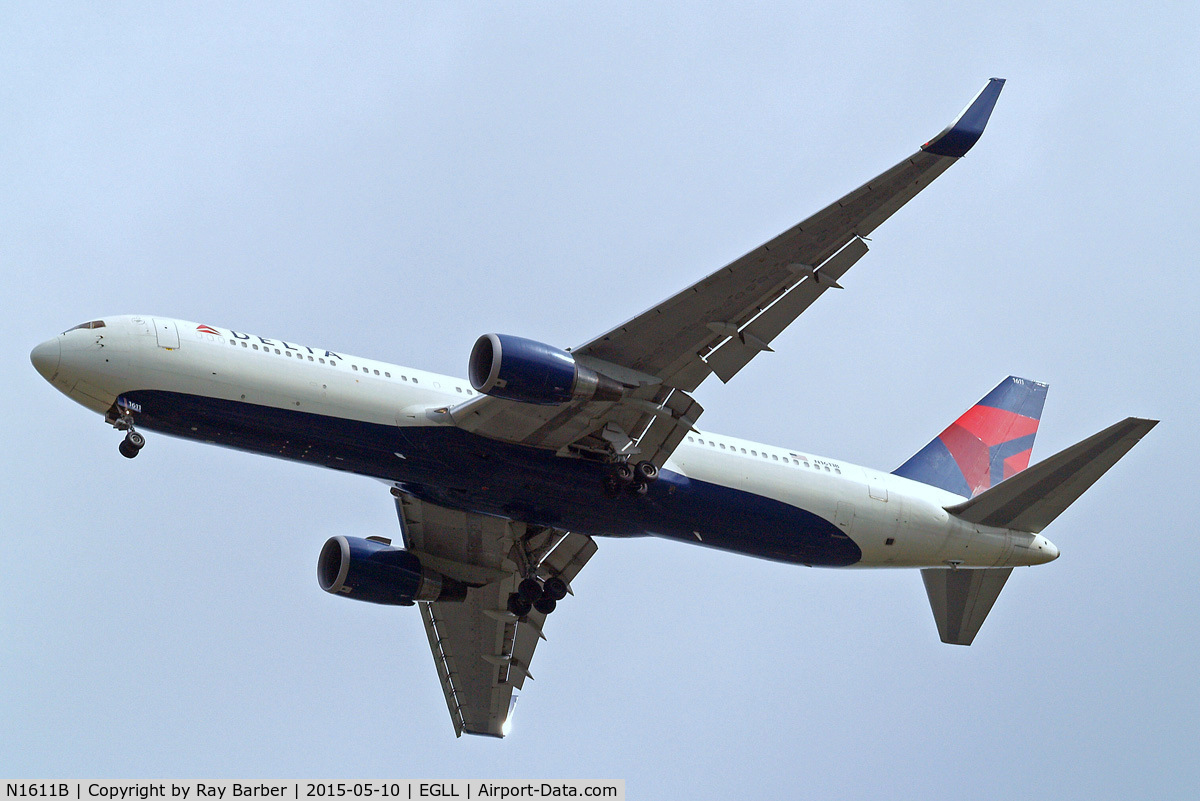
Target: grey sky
[393, 181]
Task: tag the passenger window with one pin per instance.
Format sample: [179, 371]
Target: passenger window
[376, 372]
[459, 389]
[776, 458]
[243, 344]
[256, 347]
[277, 351]
[387, 374]
[743, 450]
[310, 358]
[414, 379]
[354, 367]
[722, 446]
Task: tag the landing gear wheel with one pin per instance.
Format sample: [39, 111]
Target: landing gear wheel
[135, 440]
[623, 473]
[518, 604]
[127, 450]
[529, 589]
[554, 588]
[639, 488]
[646, 471]
[545, 605]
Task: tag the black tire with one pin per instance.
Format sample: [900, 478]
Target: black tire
[545, 605]
[623, 473]
[639, 488]
[518, 604]
[135, 440]
[530, 589]
[646, 471]
[554, 588]
[127, 450]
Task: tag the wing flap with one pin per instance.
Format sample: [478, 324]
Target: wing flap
[737, 351]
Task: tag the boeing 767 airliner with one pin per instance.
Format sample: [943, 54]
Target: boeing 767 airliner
[501, 481]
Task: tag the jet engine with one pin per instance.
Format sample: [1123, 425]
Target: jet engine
[372, 571]
[531, 372]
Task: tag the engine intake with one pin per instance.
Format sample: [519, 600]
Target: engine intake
[532, 372]
[380, 574]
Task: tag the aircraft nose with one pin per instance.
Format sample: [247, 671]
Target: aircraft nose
[45, 358]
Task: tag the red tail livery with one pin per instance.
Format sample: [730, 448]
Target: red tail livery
[989, 443]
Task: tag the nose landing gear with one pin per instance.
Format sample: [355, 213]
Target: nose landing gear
[133, 442]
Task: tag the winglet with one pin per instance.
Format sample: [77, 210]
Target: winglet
[967, 127]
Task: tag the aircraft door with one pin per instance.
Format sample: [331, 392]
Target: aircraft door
[167, 333]
[843, 518]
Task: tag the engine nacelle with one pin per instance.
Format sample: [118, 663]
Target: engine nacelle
[531, 372]
[380, 574]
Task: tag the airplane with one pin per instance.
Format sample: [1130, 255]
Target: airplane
[503, 482]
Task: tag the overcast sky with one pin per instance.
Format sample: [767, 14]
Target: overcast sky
[394, 180]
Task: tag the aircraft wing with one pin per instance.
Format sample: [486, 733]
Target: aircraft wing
[480, 649]
[719, 324]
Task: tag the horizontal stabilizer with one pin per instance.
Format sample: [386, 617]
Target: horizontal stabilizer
[961, 599]
[1031, 499]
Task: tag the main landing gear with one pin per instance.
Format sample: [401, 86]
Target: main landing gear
[532, 594]
[532, 546]
[133, 442]
[635, 479]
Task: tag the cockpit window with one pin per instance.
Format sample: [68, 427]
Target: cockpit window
[92, 324]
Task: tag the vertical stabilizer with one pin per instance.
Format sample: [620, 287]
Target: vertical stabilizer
[990, 442]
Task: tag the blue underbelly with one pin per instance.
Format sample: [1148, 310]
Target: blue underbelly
[456, 469]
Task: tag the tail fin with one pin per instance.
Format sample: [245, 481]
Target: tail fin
[989, 443]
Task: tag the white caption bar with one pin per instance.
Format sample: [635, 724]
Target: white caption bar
[311, 791]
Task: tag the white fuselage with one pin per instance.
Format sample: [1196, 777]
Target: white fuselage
[894, 521]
